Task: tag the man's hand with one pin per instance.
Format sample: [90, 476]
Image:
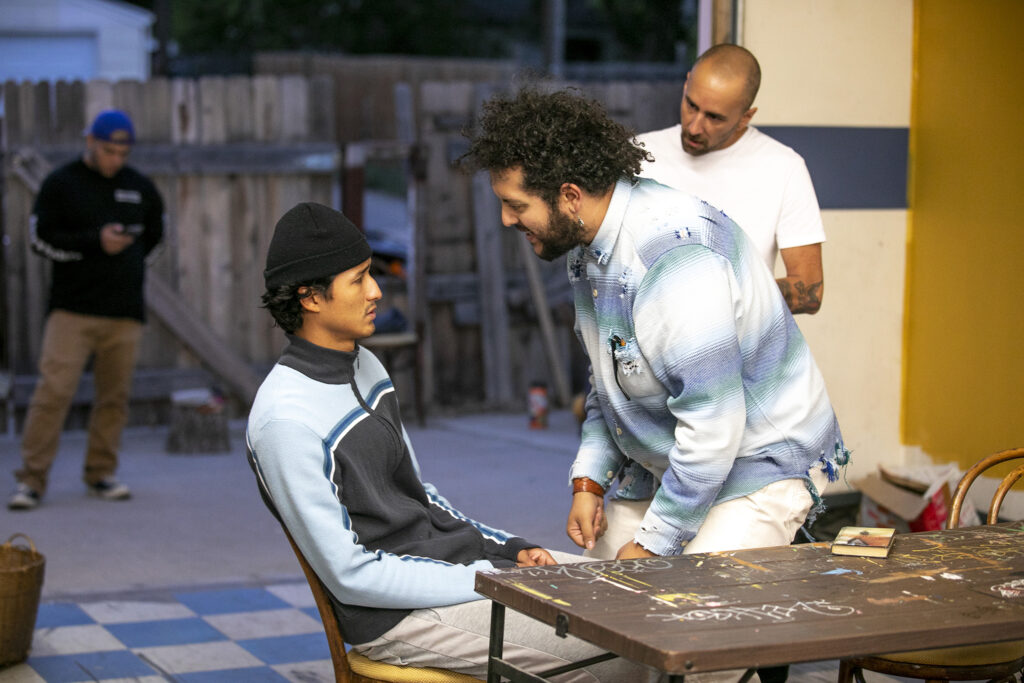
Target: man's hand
[587, 522]
[534, 557]
[113, 239]
[633, 550]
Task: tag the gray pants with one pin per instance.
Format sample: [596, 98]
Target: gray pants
[457, 637]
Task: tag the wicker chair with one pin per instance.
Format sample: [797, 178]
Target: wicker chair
[995, 662]
[351, 667]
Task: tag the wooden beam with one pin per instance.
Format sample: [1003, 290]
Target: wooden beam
[490, 268]
[210, 348]
[242, 158]
[353, 184]
[559, 376]
[494, 326]
[148, 384]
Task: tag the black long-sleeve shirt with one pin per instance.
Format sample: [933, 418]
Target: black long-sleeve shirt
[72, 206]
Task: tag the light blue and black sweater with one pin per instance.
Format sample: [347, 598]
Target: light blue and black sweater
[334, 464]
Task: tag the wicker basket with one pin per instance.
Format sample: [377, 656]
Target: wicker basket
[21, 582]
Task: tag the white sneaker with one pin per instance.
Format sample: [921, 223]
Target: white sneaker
[24, 498]
[110, 489]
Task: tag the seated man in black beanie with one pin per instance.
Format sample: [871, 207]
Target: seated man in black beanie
[334, 464]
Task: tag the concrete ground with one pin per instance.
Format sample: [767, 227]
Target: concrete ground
[196, 522]
[198, 519]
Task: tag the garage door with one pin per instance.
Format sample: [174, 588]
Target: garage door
[47, 57]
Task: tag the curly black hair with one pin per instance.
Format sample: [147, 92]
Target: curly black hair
[555, 137]
[284, 302]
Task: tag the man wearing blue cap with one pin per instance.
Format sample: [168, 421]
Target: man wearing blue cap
[97, 220]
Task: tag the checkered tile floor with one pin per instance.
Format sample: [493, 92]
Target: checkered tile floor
[225, 635]
[270, 633]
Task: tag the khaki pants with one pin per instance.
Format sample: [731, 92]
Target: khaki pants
[68, 341]
[768, 517]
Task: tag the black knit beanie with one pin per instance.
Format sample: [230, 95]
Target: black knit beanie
[312, 241]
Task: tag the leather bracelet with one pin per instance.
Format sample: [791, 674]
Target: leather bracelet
[587, 485]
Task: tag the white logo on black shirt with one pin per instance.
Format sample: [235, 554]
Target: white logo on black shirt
[128, 196]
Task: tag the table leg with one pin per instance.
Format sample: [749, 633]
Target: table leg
[497, 640]
[495, 665]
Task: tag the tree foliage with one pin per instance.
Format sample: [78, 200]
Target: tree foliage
[645, 30]
[423, 27]
[649, 29]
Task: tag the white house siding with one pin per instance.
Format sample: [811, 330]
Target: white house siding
[35, 57]
[68, 39]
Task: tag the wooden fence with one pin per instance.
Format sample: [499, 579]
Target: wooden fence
[368, 106]
[231, 154]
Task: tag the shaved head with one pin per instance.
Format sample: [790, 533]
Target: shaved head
[733, 62]
[717, 99]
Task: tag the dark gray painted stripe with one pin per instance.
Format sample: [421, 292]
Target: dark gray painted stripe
[852, 168]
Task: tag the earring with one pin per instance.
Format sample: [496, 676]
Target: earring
[580, 220]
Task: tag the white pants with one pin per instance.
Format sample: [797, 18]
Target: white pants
[457, 637]
[767, 517]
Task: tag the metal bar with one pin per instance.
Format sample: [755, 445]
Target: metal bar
[513, 673]
[497, 641]
[565, 668]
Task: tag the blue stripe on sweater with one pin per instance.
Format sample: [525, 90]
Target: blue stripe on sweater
[377, 392]
[488, 532]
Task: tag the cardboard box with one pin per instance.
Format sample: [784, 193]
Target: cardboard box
[915, 499]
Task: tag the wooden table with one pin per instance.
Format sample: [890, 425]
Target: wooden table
[775, 606]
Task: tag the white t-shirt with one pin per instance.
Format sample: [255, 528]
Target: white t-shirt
[759, 182]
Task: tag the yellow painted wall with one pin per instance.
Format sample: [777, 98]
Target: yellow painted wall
[921, 335]
[964, 343]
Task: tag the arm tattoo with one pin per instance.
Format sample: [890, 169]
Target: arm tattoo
[801, 297]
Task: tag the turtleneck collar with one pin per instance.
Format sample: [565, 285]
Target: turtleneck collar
[319, 363]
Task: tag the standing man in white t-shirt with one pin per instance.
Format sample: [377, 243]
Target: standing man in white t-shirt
[760, 183]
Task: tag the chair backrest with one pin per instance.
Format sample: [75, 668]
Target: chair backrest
[997, 500]
[342, 672]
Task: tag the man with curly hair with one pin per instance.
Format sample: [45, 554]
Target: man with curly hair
[698, 371]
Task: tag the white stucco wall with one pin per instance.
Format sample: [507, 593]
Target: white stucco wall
[840, 63]
[832, 62]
